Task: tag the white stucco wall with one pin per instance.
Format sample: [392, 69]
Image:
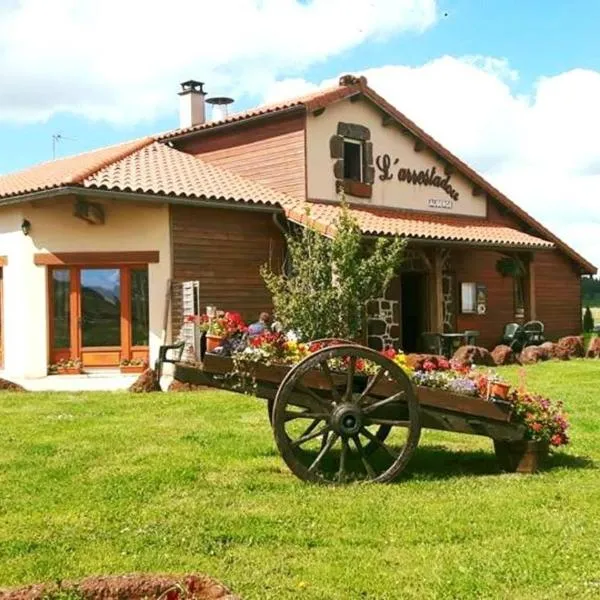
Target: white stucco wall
[386, 140]
[128, 227]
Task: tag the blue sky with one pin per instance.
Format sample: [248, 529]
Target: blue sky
[537, 37]
[493, 80]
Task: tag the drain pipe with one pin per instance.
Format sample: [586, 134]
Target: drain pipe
[284, 232]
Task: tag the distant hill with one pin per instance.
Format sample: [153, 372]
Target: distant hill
[590, 291]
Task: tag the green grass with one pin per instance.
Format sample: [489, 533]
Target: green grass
[111, 483]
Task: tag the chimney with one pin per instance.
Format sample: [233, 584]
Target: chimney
[191, 104]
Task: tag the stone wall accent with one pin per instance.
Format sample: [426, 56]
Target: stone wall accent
[448, 302]
[358, 132]
[354, 131]
[383, 323]
[448, 293]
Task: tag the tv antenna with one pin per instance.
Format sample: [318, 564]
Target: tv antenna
[59, 137]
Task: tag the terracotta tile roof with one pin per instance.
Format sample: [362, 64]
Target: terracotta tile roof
[65, 171]
[374, 221]
[159, 169]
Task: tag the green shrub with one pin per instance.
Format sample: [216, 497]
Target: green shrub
[329, 280]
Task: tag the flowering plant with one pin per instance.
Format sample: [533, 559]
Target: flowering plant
[223, 325]
[400, 359]
[275, 348]
[133, 362]
[545, 420]
[63, 364]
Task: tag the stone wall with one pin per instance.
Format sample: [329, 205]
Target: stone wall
[383, 323]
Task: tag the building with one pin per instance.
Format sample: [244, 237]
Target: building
[90, 245]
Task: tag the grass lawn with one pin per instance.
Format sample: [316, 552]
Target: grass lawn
[111, 483]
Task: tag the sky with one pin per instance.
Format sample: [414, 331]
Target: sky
[511, 87]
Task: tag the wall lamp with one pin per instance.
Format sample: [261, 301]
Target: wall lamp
[25, 227]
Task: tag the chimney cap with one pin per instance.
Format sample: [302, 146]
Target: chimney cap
[187, 87]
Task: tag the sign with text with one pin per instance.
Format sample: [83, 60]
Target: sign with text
[437, 203]
[389, 169]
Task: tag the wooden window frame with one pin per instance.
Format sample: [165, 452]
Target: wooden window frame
[76, 349]
[463, 310]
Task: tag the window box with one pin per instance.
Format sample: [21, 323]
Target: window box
[358, 188]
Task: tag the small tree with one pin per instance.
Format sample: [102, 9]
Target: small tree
[588, 320]
[329, 280]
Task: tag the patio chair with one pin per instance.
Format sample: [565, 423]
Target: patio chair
[514, 336]
[534, 333]
[432, 343]
[163, 357]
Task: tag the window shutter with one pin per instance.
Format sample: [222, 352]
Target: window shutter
[190, 307]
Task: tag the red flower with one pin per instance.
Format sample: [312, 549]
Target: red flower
[443, 364]
[429, 365]
[557, 439]
[537, 427]
[389, 353]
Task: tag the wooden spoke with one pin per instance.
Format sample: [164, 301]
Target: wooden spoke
[310, 428]
[371, 407]
[378, 442]
[372, 383]
[311, 436]
[307, 414]
[390, 422]
[334, 393]
[350, 379]
[322, 402]
[324, 450]
[368, 468]
[343, 455]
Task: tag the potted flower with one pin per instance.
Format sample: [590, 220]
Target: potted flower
[545, 425]
[218, 328]
[133, 365]
[66, 366]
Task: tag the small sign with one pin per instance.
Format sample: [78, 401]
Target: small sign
[481, 299]
[440, 203]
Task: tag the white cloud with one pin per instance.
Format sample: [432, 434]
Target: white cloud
[120, 60]
[540, 149]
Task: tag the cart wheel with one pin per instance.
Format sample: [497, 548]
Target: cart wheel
[333, 424]
[381, 432]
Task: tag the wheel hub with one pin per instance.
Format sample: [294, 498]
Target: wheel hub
[347, 420]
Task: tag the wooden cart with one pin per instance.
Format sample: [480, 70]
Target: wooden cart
[334, 424]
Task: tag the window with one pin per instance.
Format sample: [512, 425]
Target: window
[353, 160]
[468, 296]
[61, 308]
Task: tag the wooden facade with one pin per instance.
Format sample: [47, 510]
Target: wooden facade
[271, 153]
[224, 249]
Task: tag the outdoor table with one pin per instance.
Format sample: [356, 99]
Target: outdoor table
[448, 341]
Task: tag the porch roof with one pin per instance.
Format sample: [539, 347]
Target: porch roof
[417, 226]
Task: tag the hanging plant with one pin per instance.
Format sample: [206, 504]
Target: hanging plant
[509, 266]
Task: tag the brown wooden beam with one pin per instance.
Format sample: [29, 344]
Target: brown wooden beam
[387, 120]
[319, 112]
[448, 169]
[96, 258]
[419, 146]
[3, 261]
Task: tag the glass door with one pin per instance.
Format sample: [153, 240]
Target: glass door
[99, 314]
